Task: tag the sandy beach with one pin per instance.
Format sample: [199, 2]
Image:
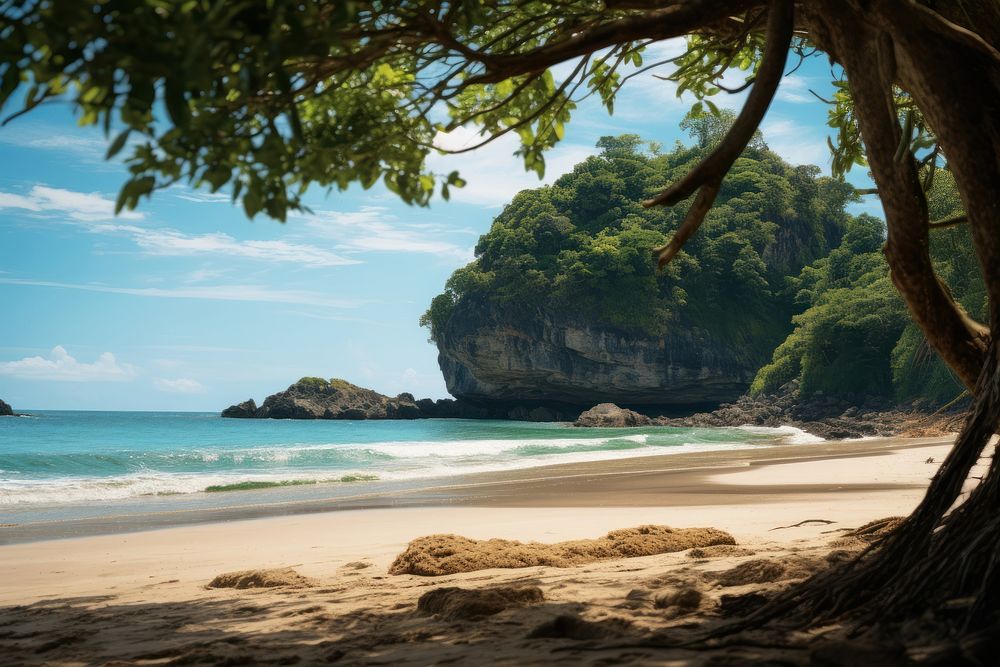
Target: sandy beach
[143, 597]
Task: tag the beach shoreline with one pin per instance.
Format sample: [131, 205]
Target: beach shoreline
[144, 597]
[670, 479]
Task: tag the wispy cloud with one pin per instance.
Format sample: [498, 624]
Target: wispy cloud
[79, 206]
[795, 89]
[200, 196]
[179, 386]
[795, 143]
[41, 137]
[60, 366]
[376, 229]
[171, 243]
[96, 214]
[253, 293]
[493, 173]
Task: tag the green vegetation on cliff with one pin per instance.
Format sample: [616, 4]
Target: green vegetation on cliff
[855, 335]
[580, 249]
[779, 270]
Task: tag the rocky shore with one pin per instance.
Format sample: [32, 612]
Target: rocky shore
[6, 410]
[316, 398]
[829, 417]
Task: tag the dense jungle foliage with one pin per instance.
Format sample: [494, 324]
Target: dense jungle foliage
[855, 335]
[581, 247]
[778, 267]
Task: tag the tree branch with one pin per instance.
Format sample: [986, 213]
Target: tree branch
[949, 222]
[692, 221]
[706, 178]
[714, 167]
[943, 26]
[738, 89]
[671, 21]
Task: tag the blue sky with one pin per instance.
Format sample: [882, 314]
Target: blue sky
[184, 304]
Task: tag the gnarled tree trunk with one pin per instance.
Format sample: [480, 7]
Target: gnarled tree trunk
[940, 554]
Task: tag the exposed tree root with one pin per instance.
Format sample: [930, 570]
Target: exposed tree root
[802, 523]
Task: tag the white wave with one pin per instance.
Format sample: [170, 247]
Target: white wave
[408, 449]
[89, 489]
[789, 434]
[389, 461]
[471, 448]
[442, 469]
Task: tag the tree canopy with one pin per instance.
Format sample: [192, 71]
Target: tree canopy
[855, 336]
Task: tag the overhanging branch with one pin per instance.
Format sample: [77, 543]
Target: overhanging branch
[949, 222]
[674, 20]
[706, 178]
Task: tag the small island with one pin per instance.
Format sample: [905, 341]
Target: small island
[6, 410]
[316, 398]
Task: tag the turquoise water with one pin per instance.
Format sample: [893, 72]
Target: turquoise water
[57, 458]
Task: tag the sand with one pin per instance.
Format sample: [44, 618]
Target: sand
[145, 597]
[436, 555]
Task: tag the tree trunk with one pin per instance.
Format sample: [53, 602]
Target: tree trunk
[940, 553]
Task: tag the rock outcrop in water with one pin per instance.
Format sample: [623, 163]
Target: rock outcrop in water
[6, 410]
[609, 415]
[316, 398]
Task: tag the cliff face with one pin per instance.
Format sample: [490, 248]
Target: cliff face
[491, 357]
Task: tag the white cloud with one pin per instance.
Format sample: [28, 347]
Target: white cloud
[493, 173]
[36, 136]
[794, 89]
[647, 91]
[375, 229]
[80, 206]
[179, 386]
[187, 194]
[96, 214]
[795, 143]
[167, 242]
[253, 293]
[61, 367]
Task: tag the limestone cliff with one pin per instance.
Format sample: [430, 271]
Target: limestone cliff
[490, 356]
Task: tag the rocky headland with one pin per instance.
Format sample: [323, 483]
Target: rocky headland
[317, 398]
[6, 410]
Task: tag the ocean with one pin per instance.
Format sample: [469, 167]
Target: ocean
[66, 464]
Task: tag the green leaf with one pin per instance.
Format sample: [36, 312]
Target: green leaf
[132, 190]
[117, 144]
[177, 106]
